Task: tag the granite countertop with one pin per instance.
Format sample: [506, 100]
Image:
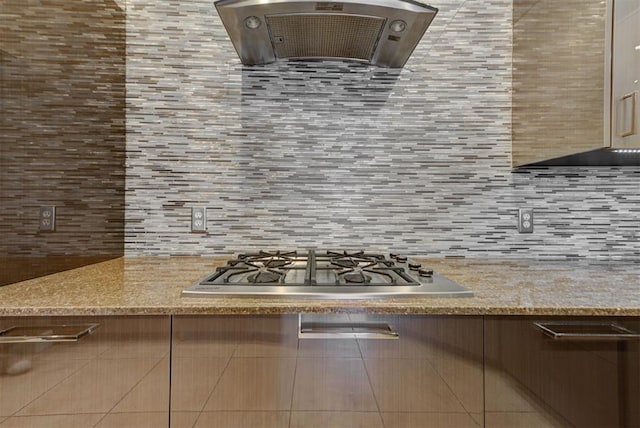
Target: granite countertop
[152, 285]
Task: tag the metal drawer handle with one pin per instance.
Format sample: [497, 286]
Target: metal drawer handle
[580, 330]
[320, 330]
[628, 107]
[49, 334]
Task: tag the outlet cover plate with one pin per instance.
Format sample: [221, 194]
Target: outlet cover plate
[525, 220]
[198, 220]
[47, 222]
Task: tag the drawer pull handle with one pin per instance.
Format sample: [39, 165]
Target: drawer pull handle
[321, 330]
[627, 115]
[591, 331]
[46, 333]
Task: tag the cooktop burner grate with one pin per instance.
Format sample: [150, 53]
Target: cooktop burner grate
[323, 273]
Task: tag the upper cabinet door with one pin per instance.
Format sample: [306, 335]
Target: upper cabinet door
[576, 73]
[558, 79]
[625, 74]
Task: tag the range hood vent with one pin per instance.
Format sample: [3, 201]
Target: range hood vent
[380, 32]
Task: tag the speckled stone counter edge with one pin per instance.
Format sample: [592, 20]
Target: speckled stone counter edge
[337, 308]
[123, 287]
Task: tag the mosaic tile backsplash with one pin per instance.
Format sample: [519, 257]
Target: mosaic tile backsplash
[299, 154]
[558, 78]
[62, 134]
[331, 154]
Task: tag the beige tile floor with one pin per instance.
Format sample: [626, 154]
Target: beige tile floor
[184, 419]
[52, 421]
[243, 419]
[462, 376]
[410, 385]
[431, 420]
[254, 384]
[191, 388]
[264, 377]
[325, 383]
[147, 395]
[17, 391]
[508, 405]
[120, 366]
[107, 381]
[332, 384]
[137, 420]
[329, 348]
[519, 420]
[336, 420]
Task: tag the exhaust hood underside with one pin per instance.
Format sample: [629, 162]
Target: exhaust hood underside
[381, 32]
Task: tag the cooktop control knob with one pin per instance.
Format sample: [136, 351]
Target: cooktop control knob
[414, 266]
[393, 255]
[401, 259]
[426, 272]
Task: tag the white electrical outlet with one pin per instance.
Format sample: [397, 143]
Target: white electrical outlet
[525, 220]
[198, 219]
[47, 218]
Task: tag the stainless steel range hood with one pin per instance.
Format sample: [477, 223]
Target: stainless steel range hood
[378, 32]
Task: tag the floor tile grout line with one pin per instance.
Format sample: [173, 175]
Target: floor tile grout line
[82, 366]
[373, 391]
[204, 405]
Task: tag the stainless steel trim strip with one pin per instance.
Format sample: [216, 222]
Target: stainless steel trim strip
[338, 330]
[54, 333]
[586, 331]
[632, 126]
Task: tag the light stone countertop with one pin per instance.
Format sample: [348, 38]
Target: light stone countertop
[152, 285]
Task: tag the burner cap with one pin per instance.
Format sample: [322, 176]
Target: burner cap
[356, 278]
[425, 272]
[264, 277]
[345, 263]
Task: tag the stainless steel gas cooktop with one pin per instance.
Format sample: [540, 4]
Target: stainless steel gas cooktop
[325, 274]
